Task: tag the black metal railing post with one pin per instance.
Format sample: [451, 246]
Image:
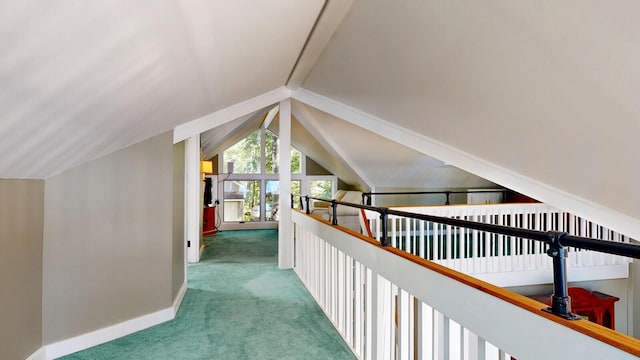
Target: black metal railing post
[306, 198]
[301, 204]
[293, 201]
[560, 301]
[447, 193]
[384, 216]
[334, 211]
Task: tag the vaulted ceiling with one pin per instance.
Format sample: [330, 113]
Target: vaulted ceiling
[358, 156]
[82, 79]
[536, 96]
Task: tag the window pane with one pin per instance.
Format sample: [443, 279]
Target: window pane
[271, 152]
[295, 190]
[295, 162]
[272, 200]
[272, 144]
[241, 200]
[321, 188]
[245, 155]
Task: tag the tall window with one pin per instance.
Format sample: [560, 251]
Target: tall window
[251, 192]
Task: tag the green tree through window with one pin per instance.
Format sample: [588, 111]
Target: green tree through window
[246, 157]
[271, 152]
[321, 188]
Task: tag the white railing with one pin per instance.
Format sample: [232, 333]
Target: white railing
[479, 252]
[388, 306]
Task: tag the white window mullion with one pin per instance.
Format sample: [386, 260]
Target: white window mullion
[263, 152]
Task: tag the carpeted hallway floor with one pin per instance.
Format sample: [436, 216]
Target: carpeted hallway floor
[238, 306]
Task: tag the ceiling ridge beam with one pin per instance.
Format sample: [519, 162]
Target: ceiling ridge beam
[230, 113]
[558, 198]
[329, 19]
[270, 116]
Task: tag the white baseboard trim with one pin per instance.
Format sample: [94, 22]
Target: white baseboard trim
[38, 355]
[179, 297]
[101, 336]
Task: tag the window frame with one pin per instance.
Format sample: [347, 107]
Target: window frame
[263, 177]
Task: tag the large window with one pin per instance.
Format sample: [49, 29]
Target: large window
[249, 179]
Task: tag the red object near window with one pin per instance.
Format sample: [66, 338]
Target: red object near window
[209, 221]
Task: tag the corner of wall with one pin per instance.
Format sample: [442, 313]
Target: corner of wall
[40, 354]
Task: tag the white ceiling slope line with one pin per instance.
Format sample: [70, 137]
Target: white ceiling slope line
[330, 19]
[559, 198]
[230, 113]
[327, 141]
[243, 129]
[210, 140]
[270, 116]
[217, 137]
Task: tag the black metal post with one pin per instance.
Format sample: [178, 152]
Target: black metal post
[366, 198]
[447, 193]
[334, 210]
[560, 301]
[306, 198]
[384, 216]
[293, 201]
[300, 200]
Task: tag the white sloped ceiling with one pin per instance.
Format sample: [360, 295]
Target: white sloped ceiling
[543, 92]
[547, 90]
[380, 162]
[81, 79]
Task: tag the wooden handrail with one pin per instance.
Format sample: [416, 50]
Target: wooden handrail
[616, 339]
[601, 333]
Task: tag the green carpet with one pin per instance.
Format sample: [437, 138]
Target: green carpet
[238, 306]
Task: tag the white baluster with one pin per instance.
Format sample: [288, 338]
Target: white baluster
[441, 336]
[403, 324]
[358, 310]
